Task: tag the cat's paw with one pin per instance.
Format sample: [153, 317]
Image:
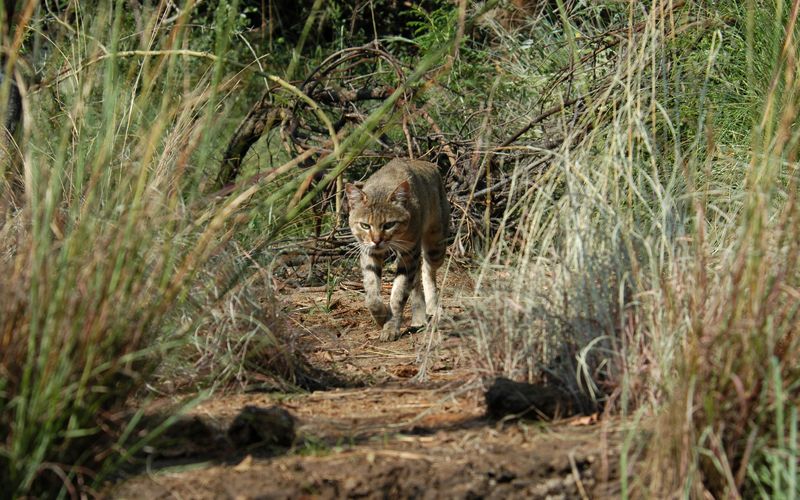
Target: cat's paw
[433, 312]
[380, 313]
[419, 320]
[418, 325]
[390, 331]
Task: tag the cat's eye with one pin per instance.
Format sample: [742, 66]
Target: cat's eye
[389, 226]
[364, 226]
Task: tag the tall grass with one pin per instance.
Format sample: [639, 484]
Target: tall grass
[648, 250]
[114, 247]
[103, 248]
[737, 386]
[655, 264]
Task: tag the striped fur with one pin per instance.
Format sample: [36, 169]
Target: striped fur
[402, 210]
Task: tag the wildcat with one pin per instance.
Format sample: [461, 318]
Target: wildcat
[402, 210]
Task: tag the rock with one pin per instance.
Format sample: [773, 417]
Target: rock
[188, 435]
[254, 425]
[533, 401]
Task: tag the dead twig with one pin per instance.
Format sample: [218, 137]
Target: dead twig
[539, 119]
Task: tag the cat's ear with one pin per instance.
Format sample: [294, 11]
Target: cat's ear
[401, 194]
[355, 196]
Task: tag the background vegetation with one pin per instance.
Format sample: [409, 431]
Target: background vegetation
[630, 168]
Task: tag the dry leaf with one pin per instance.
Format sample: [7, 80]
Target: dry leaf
[245, 464]
[585, 420]
[405, 371]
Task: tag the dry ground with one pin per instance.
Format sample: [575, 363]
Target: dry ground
[390, 435]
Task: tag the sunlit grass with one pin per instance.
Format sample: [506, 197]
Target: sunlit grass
[118, 269]
[101, 251]
[656, 265]
[650, 263]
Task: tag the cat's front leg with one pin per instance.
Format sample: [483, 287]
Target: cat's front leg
[404, 283]
[371, 268]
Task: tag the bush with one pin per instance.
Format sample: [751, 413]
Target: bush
[102, 251]
[653, 264]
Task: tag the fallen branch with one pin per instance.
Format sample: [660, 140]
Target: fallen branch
[540, 118]
[341, 97]
[260, 118]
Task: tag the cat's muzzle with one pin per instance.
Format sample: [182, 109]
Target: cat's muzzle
[376, 251]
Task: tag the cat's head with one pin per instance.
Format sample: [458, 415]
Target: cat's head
[379, 222]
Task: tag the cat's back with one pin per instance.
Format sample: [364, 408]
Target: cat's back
[423, 177]
[400, 169]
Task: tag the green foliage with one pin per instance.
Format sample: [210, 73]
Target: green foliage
[647, 238]
[654, 264]
[105, 250]
[432, 28]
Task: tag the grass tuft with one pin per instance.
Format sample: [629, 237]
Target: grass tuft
[653, 262]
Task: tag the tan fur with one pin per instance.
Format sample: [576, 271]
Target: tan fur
[401, 209]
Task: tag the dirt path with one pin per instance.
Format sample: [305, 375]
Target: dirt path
[391, 436]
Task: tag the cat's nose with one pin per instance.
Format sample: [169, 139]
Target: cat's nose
[376, 239]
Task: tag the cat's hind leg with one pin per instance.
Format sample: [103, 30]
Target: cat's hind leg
[432, 260]
[418, 304]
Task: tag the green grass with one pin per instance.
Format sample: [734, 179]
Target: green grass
[655, 265]
[101, 256]
[117, 271]
[644, 250]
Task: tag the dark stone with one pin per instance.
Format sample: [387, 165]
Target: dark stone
[188, 435]
[254, 425]
[532, 401]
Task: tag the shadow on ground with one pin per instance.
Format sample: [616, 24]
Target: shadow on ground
[383, 434]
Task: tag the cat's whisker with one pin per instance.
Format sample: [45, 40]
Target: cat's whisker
[406, 199]
[401, 246]
[353, 251]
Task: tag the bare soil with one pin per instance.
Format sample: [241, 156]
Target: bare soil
[390, 435]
